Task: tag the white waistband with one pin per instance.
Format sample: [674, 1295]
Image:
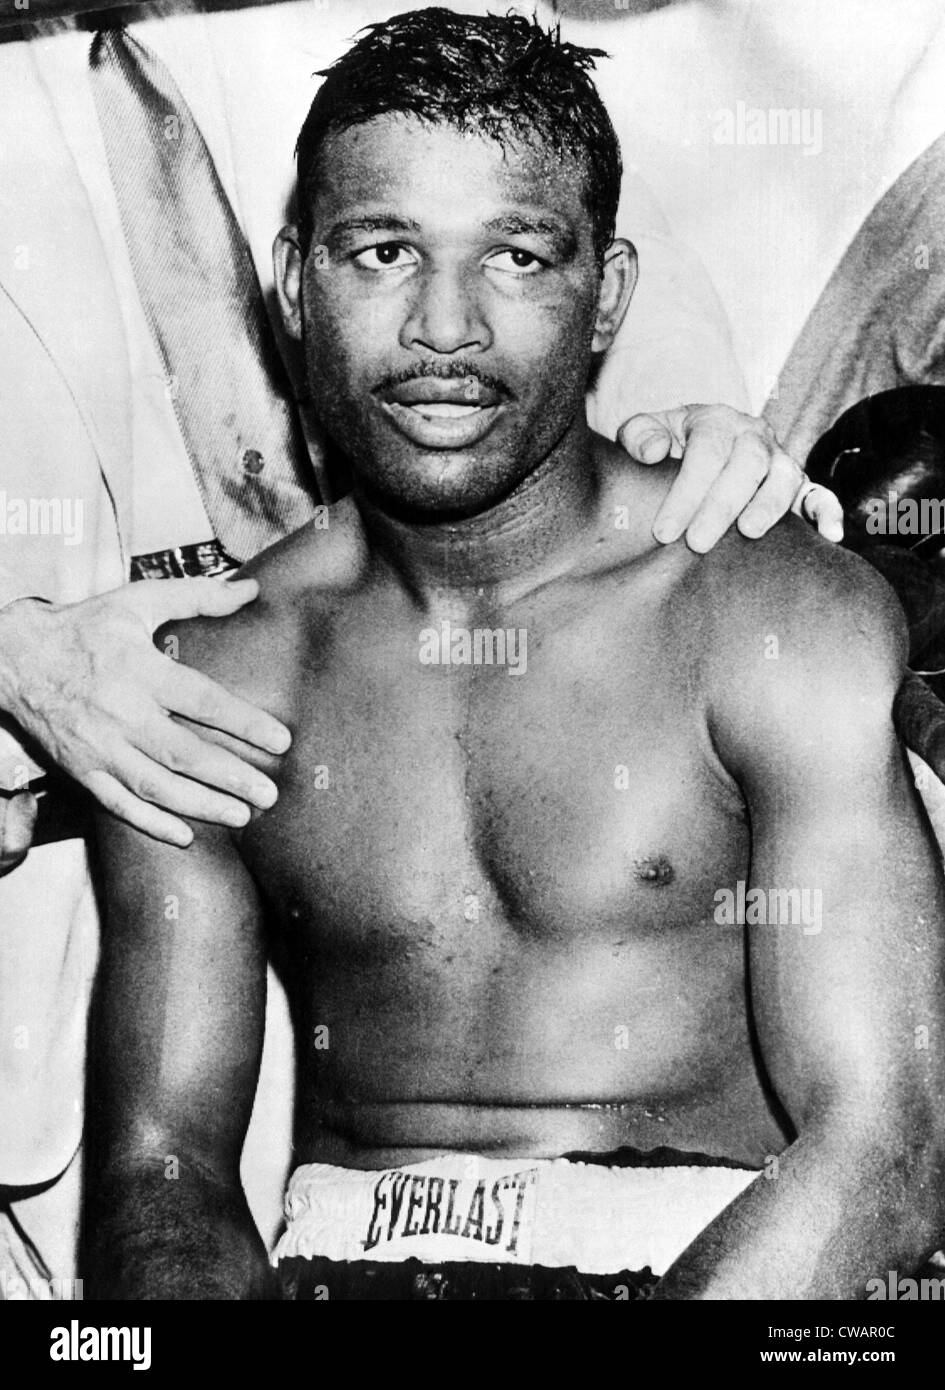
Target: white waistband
[549, 1212]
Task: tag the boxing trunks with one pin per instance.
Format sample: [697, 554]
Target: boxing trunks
[460, 1226]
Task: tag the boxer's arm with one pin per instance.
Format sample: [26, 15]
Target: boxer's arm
[848, 1001]
[176, 1041]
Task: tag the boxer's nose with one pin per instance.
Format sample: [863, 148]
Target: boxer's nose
[445, 315]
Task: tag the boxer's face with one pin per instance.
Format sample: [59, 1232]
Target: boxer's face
[449, 306]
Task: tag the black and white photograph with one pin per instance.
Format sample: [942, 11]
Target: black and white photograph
[472, 663]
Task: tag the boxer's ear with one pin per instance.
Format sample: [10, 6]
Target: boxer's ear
[287, 262]
[617, 283]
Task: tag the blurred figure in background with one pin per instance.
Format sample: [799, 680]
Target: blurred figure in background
[885, 460]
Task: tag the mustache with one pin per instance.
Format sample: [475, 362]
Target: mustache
[458, 369]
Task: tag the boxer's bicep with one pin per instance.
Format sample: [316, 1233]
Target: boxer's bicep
[180, 1000]
[843, 917]
[844, 909]
[844, 927]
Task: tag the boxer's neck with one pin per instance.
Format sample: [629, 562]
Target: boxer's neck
[509, 549]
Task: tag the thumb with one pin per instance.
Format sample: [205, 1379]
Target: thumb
[17, 822]
[167, 600]
[648, 438]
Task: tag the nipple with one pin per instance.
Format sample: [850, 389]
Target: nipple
[657, 871]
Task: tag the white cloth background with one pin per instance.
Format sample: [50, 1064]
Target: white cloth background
[735, 244]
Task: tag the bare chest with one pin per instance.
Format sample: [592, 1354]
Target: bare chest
[567, 795]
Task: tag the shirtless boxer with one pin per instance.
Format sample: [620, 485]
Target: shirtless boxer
[536, 759]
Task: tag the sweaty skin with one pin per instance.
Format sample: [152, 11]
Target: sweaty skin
[471, 898]
[496, 886]
[498, 892]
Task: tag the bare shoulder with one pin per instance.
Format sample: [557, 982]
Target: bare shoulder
[631, 493]
[801, 642]
[303, 579]
[321, 557]
[823, 603]
[791, 590]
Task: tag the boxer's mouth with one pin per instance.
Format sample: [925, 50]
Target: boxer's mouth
[423, 392]
[439, 413]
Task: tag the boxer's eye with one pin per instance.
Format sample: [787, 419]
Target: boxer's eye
[514, 260]
[386, 255]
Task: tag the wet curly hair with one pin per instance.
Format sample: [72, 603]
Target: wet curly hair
[503, 76]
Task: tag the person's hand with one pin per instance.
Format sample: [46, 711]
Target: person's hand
[86, 682]
[17, 819]
[733, 469]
